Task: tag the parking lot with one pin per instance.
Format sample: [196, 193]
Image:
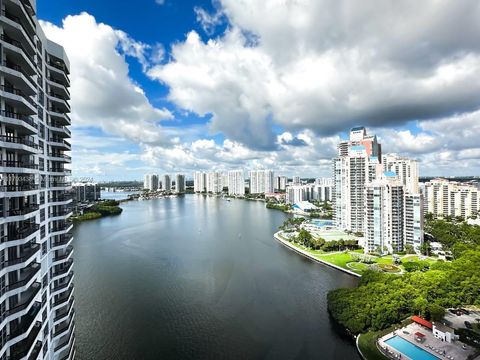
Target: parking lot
[457, 322]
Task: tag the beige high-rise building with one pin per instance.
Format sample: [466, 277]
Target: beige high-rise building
[449, 198]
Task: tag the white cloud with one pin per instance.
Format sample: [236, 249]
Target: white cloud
[160, 2]
[102, 92]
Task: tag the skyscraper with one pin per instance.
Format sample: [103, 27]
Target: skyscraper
[214, 182]
[36, 312]
[200, 182]
[280, 183]
[180, 183]
[236, 182]
[166, 183]
[150, 182]
[261, 181]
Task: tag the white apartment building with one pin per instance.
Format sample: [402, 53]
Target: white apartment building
[262, 182]
[449, 198]
[236, 183]
[37, 320]
[323, 189]
[180, 183]
[214, 182]
[280, 183]
[150, 182]
[166, 183]
[85, 191]
[384, 215]
[381, 204]
[200, 182]
[405, 168]
[298, 193]
[296, 180]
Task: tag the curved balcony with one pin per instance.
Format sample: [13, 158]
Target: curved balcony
[20, 214]
[25, 11]
[26, 346]
[59, 85]
[59, 171]
[60, 101]
[62, 299]
[61, 130]
[26, 254]
[24, 306]
[62, 241]
[67, 281]
[62, 313]
[59, 116]
[23, 121]
[59, 157]
[20, 233]
[18, 190]
[60, 185]
[28, 274]
[64, 344]
[25, 326]
[70, 354]
[61, 330]
[58, 200]
[56, 275]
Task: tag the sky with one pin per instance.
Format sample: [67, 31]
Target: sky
[176, 86]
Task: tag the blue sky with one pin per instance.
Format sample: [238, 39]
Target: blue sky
[177, 86]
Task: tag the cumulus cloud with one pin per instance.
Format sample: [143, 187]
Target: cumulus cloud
[102, 93]
[326, 65]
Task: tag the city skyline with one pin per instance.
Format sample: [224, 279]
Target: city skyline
[420, 98]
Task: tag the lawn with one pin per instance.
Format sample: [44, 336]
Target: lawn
[368, 346]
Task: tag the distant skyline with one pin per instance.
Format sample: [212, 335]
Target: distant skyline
[179, 86]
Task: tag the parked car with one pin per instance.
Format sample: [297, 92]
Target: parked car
[465, 311]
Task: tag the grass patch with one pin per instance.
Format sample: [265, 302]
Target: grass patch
[368, 346]
[357, 267]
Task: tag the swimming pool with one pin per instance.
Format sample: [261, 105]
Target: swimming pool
[409, 349]
[321, 223]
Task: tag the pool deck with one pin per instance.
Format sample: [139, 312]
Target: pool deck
[454, 349]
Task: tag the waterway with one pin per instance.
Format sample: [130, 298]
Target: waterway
[198, 277]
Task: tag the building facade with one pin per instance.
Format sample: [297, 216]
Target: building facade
[449, 198]
[166, 183]
[214, 182]
[262, 182]
[180, 184]
[85, 192]
[236, 183]
[37, 318]
[200, 182]
[280, 183]
[150, 182]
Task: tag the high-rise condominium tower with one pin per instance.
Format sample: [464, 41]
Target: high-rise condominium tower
[150, 182]
[262, 182]
[236, 182]
[378, 199]
[180, 184]
[36, 276]
[200, 182]
[166, 183]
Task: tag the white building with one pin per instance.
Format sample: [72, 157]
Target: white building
[296, 180]
[200, 182]
[36, 312]
[381, 204]
[214, 182]
[384, 215]
[166, 183]
[150, 182]
[85, 191]
[323, 189]
[236, 183]
[262, 182]
[298, 193]
[448, 198]
[280, 183]
[444, 332]
[180, 183]
[406, 170]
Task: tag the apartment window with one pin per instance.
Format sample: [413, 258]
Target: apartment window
[44, 248]
[45, 346]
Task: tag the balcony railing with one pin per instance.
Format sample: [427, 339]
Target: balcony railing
[63, 298]
[66, 342]
[65, 327]
[61, 314]
[20, 70]
[63, 156]
[24, 324]
[17, 116]
[26, 253]
[18, 164]
[60, 170]
[23, 211]
[58, 198]
[20, 187]
[17, 20]
[17, 92]
[63, 240]
[30, 271]
[60, 184]
[20, 232]
[23, 305]
[64, 284]
[21, 349]
[65, 270]
[17, 44]
[18, 140]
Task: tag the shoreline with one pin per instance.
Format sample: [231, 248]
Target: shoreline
[288, 245]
